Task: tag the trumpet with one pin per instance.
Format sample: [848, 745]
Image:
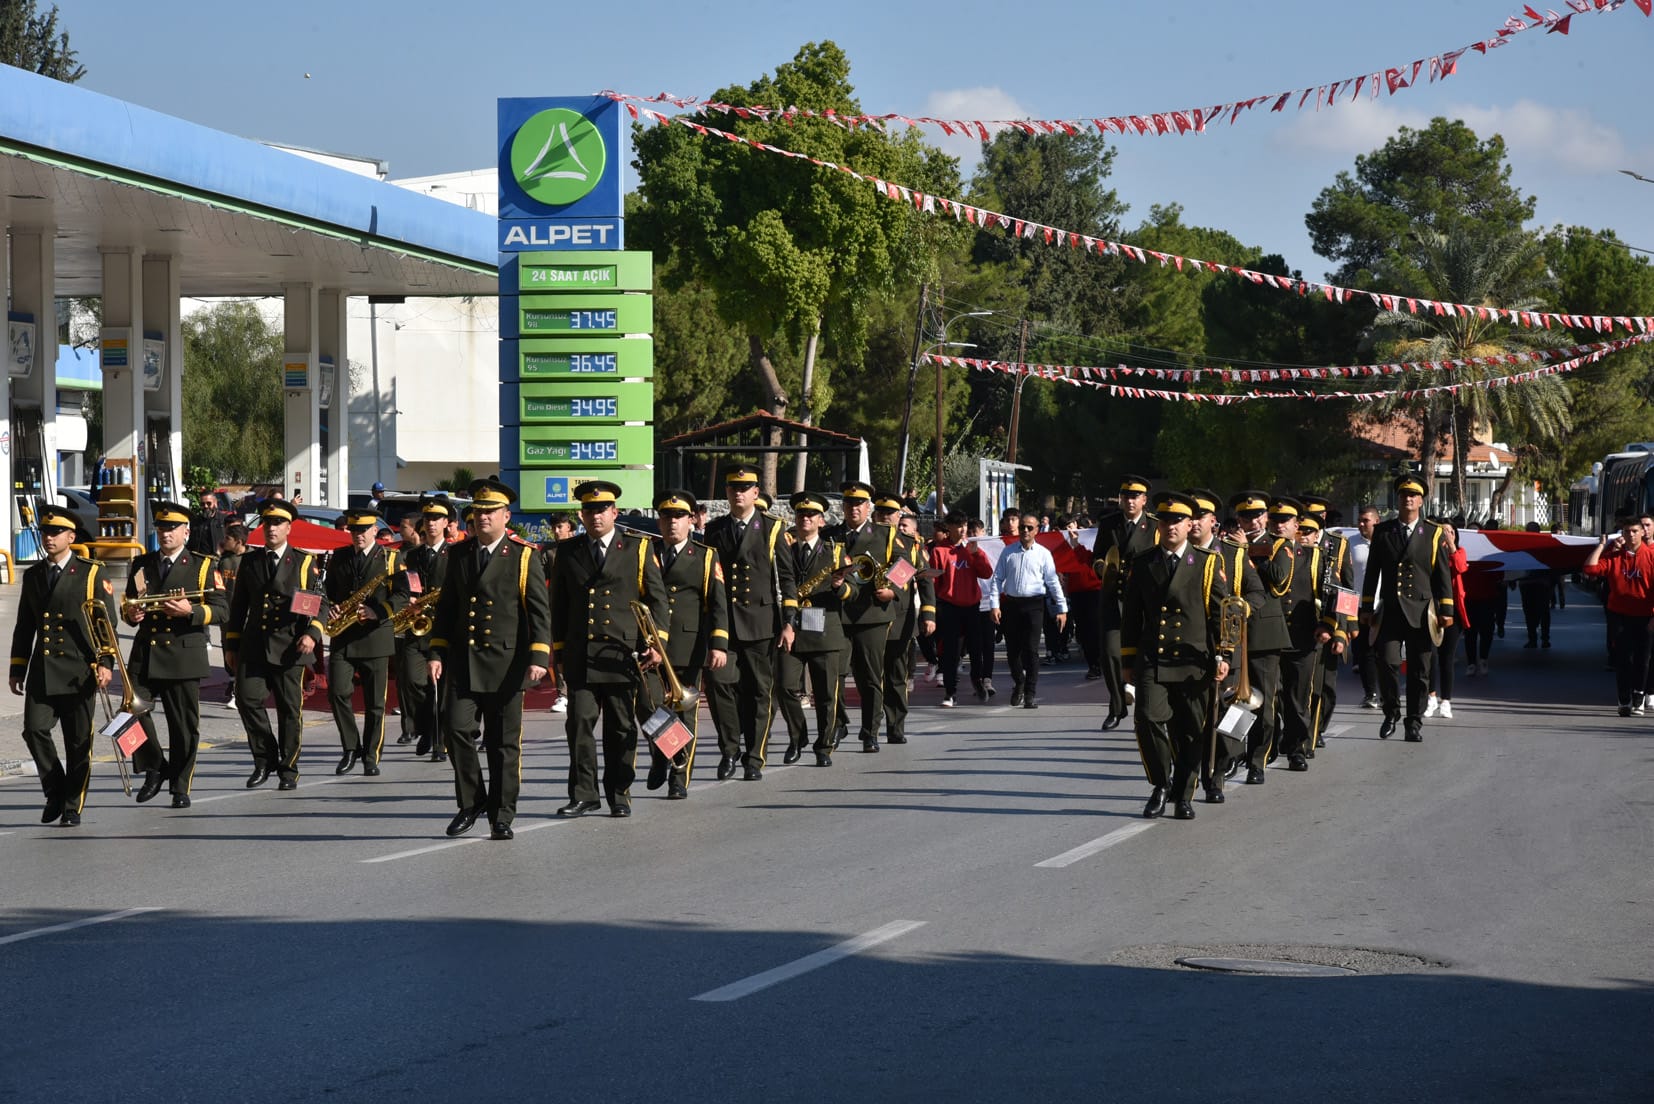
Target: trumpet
[143, 603]
[349, 612]
[418, 616]
[101, 632]
[678, 697]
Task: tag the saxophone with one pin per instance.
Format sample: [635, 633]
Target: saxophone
[810, 585]
[418, 616]
[349, 612]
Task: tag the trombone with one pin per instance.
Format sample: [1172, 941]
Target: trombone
[101, 632]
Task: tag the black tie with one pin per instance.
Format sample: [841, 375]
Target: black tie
[801, 558]
[161, 576]
[52, 576]
[1171, 563]
[671, 558]
[597, 552]
[275, 562]
[482, 559]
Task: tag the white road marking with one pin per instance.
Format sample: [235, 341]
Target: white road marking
[73, 924]
[449, 845]
[1101, 843]
[246, 792]
[747, 986]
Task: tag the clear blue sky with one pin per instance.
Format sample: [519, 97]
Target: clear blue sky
[415, 84]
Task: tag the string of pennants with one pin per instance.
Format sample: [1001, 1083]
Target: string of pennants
[1274, 375]
[1186, 120]
[983, 218]
[1097, 378]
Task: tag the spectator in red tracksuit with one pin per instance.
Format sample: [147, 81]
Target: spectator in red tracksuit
[1441, 660]
[1483, 593]
[960, 567]
[1627, 566]
[1085, 604]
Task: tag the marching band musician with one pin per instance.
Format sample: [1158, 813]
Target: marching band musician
[1267, 637]
[697, 624]
[53, 659]
[1243, 579]
[869, 612]
[1337, 574]
[426, 698]
[759, 583]
[916, 599]
[820, 566]
[169, 651]
[1132, 533]
[364, 648]
[1300, 604]
[413, 681]
[492, 634]
[596, 641]
[267, 645]
[1407, 554]
[1169, 631]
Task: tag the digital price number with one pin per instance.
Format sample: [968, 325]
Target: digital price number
[572, 452]
[575, 364]
[574, 320]
[607, 406]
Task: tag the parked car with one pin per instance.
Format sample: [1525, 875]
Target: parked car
[394, 507]
[85, 509]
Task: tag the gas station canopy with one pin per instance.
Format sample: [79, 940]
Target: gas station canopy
[237, 217]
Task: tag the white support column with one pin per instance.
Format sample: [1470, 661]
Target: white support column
[33, 292]
[123, 383]
[6, 442]
[301, 417]
[162, 315]
[332, 333]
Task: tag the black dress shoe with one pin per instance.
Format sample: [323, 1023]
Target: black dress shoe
[70, 819]
[676, 790]
[463, 820]
[502, 832]
[180, 801]
[579, 808]
[1232, 770]
[753, 774]
[1030, 702]
[1112, 721]
[620, 812]
[151, 786]
[421, 749]
[439, 756]
[870, 745]
[54, 810]
[1415, 736]
[824, 759]
[346, 761]
[841, 735]
[1254, 776]
[1214, 794]
[260, 775]
[405, 738]
[726, 766]
[658, 766]
[1157, 803]
[1016, 697]
[1093, 674]
[288, 784]
[896, 738]
[1387, 729]
[1297, 762]
[370, 769]
[1185, 811]
[795, 752]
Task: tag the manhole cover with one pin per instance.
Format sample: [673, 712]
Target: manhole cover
[1270, 966]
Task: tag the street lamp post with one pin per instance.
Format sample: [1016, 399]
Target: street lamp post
[919, 354]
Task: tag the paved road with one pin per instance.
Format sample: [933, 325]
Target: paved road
[978, 916]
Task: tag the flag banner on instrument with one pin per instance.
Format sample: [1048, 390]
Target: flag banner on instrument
[306, 604]
[667, 732]
[126, 732]
[1348, 603]
[900, 572]
[414, 585]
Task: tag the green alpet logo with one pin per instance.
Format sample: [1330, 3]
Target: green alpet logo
[557, 156]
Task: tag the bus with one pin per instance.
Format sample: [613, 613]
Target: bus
[1619, 483]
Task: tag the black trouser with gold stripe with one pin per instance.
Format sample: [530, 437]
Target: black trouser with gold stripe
[1171, 731]
[867, 665]
[1113, 675]
[257, 679]
[1264, 672]
[898, 669]
[1293, 710]
[825, 675]
[180, 699]
[681, 765]
[740, 699]
[1326, 689]
[499, 715]
[413, 689]
[72, 713]
[616, 704]
[374, 675]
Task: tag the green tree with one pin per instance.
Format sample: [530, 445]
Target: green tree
[30, 39]
[793, 253]
[1437, 180]
[232, 394]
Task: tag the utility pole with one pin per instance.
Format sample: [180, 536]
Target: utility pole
[1016, 394]
[912, 379]
[939, 511]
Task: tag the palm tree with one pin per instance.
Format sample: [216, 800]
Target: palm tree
[1479, 269]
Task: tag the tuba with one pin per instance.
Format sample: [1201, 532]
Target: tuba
[101, 632]
[678, 697]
